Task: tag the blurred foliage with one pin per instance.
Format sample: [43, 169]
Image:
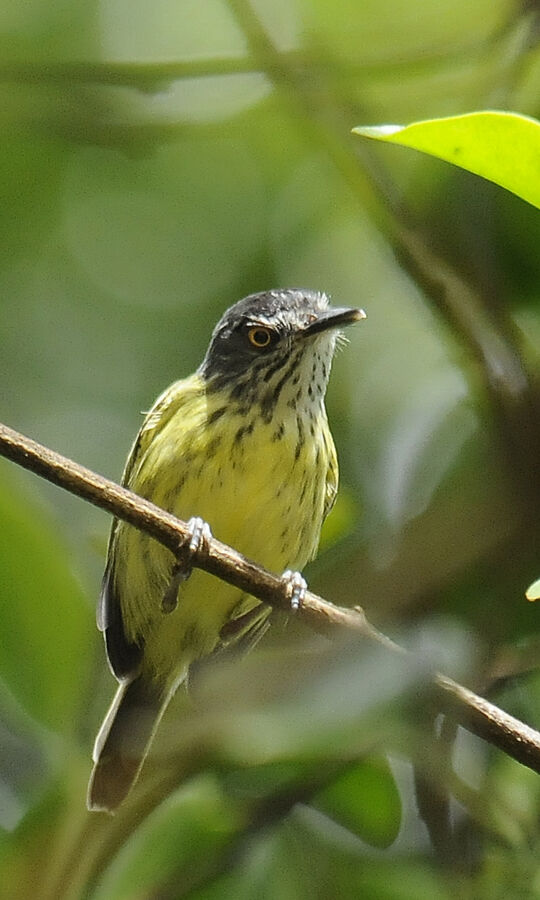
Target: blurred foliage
[158, 162]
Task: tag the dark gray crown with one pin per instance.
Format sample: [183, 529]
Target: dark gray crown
[287, 311]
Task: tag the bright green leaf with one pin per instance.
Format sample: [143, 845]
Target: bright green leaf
[365, 799]
[503, 147]
[533, 591]
[46, 624]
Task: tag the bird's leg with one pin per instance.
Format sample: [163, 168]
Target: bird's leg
[169, 601]
[296, 586]
[199, 536]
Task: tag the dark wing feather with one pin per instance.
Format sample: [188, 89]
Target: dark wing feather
[125, 656]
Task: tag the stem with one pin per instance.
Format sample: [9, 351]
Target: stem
[474, 713]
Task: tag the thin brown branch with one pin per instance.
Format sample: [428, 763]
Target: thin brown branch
[216, 558]
[474, 713]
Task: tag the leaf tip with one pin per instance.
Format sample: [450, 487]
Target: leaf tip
[377, 131]
[533, 591]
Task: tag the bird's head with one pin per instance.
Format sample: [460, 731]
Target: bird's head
[271, 342]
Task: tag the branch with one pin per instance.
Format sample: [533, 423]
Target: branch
[474, 713]
[153, 76]
[216, 558]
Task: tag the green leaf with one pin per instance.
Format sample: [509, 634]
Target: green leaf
[503, 147]
[46, 623]
[533, 591]
[366, 800]
[180, 838]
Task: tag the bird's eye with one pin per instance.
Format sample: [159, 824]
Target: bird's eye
[260, 337]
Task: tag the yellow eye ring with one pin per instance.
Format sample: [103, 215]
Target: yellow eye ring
[260, 337]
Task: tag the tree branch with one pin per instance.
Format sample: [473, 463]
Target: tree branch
[474, 713]
[149, 76]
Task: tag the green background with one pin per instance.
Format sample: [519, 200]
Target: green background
[159, 161]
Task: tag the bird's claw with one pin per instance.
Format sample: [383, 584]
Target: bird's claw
[296, 586]
[199, 537]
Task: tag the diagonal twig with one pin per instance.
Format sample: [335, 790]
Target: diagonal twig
[473, 712]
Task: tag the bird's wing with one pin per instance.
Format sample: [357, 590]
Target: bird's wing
[124, 655]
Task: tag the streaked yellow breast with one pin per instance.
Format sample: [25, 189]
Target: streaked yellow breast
[263, 487]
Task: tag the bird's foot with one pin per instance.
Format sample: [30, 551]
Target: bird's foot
[296, 586]
[199, 537]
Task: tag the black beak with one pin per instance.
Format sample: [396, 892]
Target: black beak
[333, 318]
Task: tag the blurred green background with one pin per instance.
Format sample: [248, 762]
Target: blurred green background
[158, 162]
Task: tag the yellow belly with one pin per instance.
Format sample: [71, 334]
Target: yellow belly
[258, 493]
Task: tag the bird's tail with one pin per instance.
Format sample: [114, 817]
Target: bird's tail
[123, 741]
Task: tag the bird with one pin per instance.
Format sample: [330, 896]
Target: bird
[241, 447]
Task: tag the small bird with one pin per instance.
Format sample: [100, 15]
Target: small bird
[243, 445]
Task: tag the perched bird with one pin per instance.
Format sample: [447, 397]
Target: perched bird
[244, 445]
